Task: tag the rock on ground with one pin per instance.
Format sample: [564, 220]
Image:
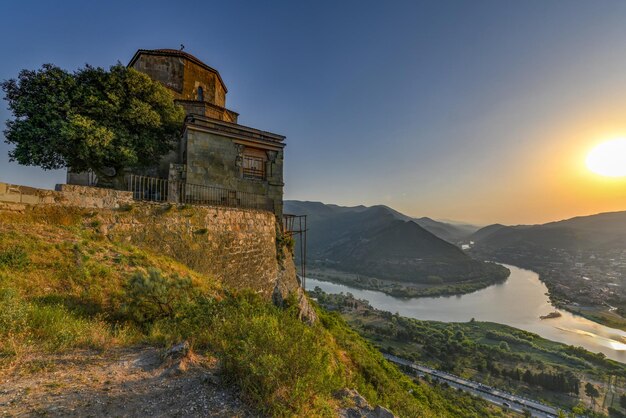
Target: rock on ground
[358, 407]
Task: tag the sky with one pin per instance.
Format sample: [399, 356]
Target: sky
[477, 111]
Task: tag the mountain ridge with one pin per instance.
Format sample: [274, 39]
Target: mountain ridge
[579, 232]
[385, 245]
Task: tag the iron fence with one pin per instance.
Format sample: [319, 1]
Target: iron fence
[154, 189]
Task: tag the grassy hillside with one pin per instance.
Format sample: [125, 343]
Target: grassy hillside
[64, 286]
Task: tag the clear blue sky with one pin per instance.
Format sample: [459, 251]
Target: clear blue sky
[447, 109]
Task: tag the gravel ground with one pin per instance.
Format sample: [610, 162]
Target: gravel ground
[117, 383]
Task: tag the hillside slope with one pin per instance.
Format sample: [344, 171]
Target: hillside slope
[447, 231]
[66, 287]
[579, 233]
[391, 251]
[318, 211]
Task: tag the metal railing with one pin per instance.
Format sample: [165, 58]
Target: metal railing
[295, 227]
[154, 189]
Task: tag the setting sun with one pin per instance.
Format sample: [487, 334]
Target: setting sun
[608, 158]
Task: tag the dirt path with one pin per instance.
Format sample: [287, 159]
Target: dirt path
[118, 383]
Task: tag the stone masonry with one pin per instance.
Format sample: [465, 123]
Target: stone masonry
[236, 246]
[17, 197]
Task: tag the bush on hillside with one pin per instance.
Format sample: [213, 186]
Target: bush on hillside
[155, 296]
[14, 257]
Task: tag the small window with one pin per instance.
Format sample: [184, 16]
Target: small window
[253, 167]
[200, 94]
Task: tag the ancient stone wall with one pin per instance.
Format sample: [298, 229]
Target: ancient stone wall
[212, 161]
[183, 77]
[65, 195]
[235, 246]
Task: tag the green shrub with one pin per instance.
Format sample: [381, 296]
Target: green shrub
[14, 257]
[154, 296]
[284, 367]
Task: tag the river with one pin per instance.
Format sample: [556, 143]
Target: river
[517, 302]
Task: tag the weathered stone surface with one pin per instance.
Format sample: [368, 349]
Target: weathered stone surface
[182, 75]
[65, 195]
[236, 246]
[358, 407]
[380, 412]
[287, 284]
[214, 159]
[177, 351]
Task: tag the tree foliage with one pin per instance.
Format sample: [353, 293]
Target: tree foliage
[591, 391]
[97, 119]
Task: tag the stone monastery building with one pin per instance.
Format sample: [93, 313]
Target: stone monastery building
[215, 156]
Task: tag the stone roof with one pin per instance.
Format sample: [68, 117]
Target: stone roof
[177, 53]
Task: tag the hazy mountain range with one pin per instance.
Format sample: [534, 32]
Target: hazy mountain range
[601, 231]
[380, 242]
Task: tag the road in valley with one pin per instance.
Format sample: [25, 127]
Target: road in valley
[499, 397]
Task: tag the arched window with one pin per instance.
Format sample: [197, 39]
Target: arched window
[200, 94]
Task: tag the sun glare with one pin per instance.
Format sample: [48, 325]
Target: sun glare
[608, 158]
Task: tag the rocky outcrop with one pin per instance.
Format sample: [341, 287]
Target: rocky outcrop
[288, 288]
[358, 407]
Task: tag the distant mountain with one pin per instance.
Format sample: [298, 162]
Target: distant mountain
[485, 232]
[604, 230]
[380, 242]
[447, 231]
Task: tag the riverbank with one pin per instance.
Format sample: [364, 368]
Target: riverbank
[519, 302]
[493, 354]
[600, 314]
[409, 290]
[568, 289]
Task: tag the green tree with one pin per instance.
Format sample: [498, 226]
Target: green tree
[622, 401]
[92, 119]
[592, 392]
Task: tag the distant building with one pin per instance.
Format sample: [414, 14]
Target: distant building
[214, 150]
